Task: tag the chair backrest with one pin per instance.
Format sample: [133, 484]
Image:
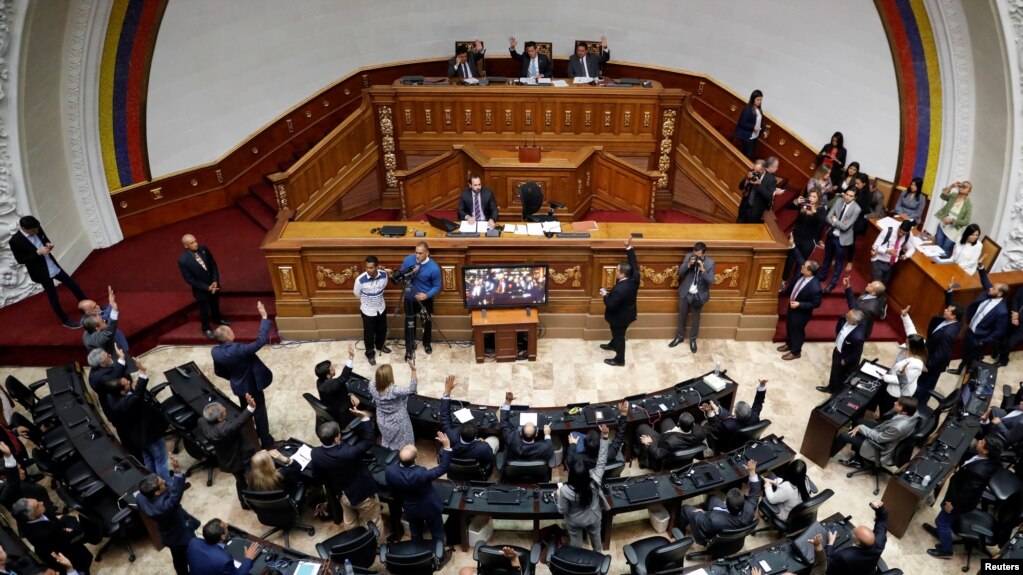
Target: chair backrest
[729, 541]
[576, 561]
[490, 560]
[886, 188]
[592, 46]
[465, 470]
[926, 425]
[411, 557]
[743, 436]
[989, 251]
[680, 458]
[950, 401]
[670, 556]
[531, 195]
[20, 392]
[545, 48]
[804, 514]
[358, 545]
[536, 471]
[273, 508]
[614, 469]
[903, 451]
[319, 408]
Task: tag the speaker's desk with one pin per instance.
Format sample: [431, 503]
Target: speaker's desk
[505, 325]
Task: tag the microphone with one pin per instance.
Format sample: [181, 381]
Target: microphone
[557, 205]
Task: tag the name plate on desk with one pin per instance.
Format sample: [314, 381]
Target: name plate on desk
[529, 154]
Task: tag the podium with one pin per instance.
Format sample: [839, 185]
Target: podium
[505, 325]
[529, 154]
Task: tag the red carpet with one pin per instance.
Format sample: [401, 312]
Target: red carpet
[676, 217]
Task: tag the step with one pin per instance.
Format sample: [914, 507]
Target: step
[256, 209]
[241, 307]
[265, 192]
[190, 333]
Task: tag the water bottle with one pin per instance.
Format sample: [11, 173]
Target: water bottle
[348, 568]
[717, 368]
[926, 481]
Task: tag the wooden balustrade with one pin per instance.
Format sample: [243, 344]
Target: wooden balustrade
[712, 163]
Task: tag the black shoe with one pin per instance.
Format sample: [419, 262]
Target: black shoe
[372, 360]
[385, 349]
[222, 321]
[614, 362]
[931, 529]
[938, 553]
[826, 290]
[208, 333]
[823, 389]
[606, 347]
[692, 345]
[1003, 362]
[70, 324]
[188, 485]
[955, 370]
[852, 462]
[427, 348]
[673, 342]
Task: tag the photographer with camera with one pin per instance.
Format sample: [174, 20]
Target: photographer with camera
[746, 185]
[954, 216]
[762, 189]
[696, 275]
[421, 277]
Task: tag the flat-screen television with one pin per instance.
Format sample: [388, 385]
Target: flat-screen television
[504, 285]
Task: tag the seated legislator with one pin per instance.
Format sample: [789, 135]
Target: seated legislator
[265, 476]
[464, 443]
[1007, 423]
[207, 555]
[534, 64]
[735, 512]
[586, 447]
[723, 424]
[477, 203]
[886, 433]
[654, 446]
[333, 389]
[465, 63]
[789, 490]
[523, 445]
[585, 65]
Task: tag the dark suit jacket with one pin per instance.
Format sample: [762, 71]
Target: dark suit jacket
[100, 375]
[476, 449]
[200, 279]
[103, 339]
[968, 483]
[139, 422]
[342, 468]
[620, 301]
[176, 526]
[939, 344]
[239, 363]
[206, 559]
[707, 525]
[544, 63]
[25, 254]
[688, 274]
[671, 442]
[726, 423]
[50, 536]
[334, 394]
[589, 459]
[473, 60]
[872, 308]
[415, 484]
[227, 438]
[487, 203]
[747, 122]
[852, 347]
[809, 298]
[593, 64]
[855, 560]
[763, 195]
[13, 488]
[517, 448]
[994, 323]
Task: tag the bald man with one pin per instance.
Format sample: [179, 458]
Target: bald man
[200, 271]
[415, 484]
[862, 556]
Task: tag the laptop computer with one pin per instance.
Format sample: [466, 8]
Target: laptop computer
[597, 414]
[847, 407]
[641, 491]
[441, 223]
[504, 496]
[393, 231]
[952, 437]
[706, 475]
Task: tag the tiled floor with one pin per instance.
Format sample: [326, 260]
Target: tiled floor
[566, 371]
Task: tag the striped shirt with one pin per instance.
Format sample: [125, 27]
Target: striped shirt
[370, 292]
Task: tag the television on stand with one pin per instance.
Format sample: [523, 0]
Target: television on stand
[503, 285]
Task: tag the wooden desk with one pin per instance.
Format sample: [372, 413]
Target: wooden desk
[505, 325]
[825, 419]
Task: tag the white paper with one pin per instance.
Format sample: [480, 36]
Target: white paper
[471, 81]
[463, 415]
[551, 226]
[715, 382]
[888, 222]
[509, 228]
[544, 81]
[237, 563]
[559, 83]
[932, 251]
[662, 406]
[478, 228]
[303, 456]
[521, 230]
[582, 80]
[525, 418]
[873, 370]
[765, 566]
[534, 229]
[307, 568]
[528, 81]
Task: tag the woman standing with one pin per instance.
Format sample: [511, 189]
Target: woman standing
[747, 129]
[877, 207]
[832, 157]
[807, 230]
[967, 251]
[392, 407]
[788, 491]
[912, 201]
[579, 500]
[820, 183]
[901, 379]
[954, 215]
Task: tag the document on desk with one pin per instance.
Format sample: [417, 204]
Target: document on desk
[716, 382]
[521, 230]
[700, 571]
[932, 251]
[582, 80]
[527, 81]
[873, 370]
[888, 222]
[545, 81]
[478, 228]
[303, 455]
[534, 229]
[307, 568]
[526, 418]
[551, 227]
[509, 228]
[559, 83]
[470, 81]
[464, 415]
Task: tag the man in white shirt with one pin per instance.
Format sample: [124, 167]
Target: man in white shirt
[892, 245]
[369, 288]
[845, 357]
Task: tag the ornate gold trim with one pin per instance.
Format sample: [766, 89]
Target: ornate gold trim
[646, 119]
[287, 276]
[447, 116]
[529, 116]
[507, 117]
[468, 116]
[659, 277]
[568, 118]
[220, 176]
[408, 116]
[731, 273]
[448, 275]
[390, 160]
[608, 276]
[291, 127]
[766, 278]
[607, 118]
[547, 116]
[323, 273]
[627, 118]
[488, 116]
[588, 118]
[574, 273]
[664, 162]
[428, 113]
[282, 196]
[157, 193]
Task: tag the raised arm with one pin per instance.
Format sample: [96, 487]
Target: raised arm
[597, 475]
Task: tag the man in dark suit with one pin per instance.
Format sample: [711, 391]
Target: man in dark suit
[872, 302]
[477, 203]
[942, 331]
[32, 248]
[90, 308]
[465, 64]
[762, 193]
[585, 448]
[161, 501]
[207, 556]
[965, 489]
[696, 275]
[248, 374]
[845, 356]
[1006, 423]
[103, 368]
[986, 320]
[534, 64]
[200, 271]
[862, 556]
[722, 424]
[13, 487]
[139, 421]
[340, 466]
[523, 444]
[582, 64]
[50, 534]
[228, 439]
[1013, 330]
[333, 389]
[746, 186]
[804, 293]
[656, 445]
[464, 443]
[101, 332]
[620, 305]
[422, 504]
[735, 512]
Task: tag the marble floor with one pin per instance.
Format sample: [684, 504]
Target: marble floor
[567, 370]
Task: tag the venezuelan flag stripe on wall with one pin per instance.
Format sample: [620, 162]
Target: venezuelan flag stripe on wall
[127, 52]
[916, 70]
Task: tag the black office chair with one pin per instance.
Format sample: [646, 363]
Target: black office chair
[945, 402]
[800, 517]
[679, 458]
[925, 427]
[490, 560]
[320, 409]
[532, 200]
[466, 470]
[655, 554]
[615, 468]
[1003, 486]
[412, 557]
[276, 509]
[728, 542]
[179, 415]
[113, 519]
[41, 409]
[526, 472]
[976, 531]
[358, 545]
[577, 561]
[743, 436]
[900, 456]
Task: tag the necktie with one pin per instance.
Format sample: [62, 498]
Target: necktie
[477, 210]
[465, 70]
[198, 259]
[586, 70]
[895, 252]
[799, 286]
[533, 71]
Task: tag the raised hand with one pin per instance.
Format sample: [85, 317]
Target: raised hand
[512, 42]
[646, 439]
[175, 466]
[119, 351]
[444, 440]
[846, 282]
[572, 439]
[818, 542]
[832, 535]
[351, 351]
[905, 311]
[628, 242]
[623, 408]
[411, 364]
[479, 45]
[261, 309]
[751, 467]
[449, 384]
[603, 41]
[250, 400]
[509, 397]
[547, 430]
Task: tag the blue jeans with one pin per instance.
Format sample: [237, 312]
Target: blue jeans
[943, 522]
[154, 456]
[946, 244]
